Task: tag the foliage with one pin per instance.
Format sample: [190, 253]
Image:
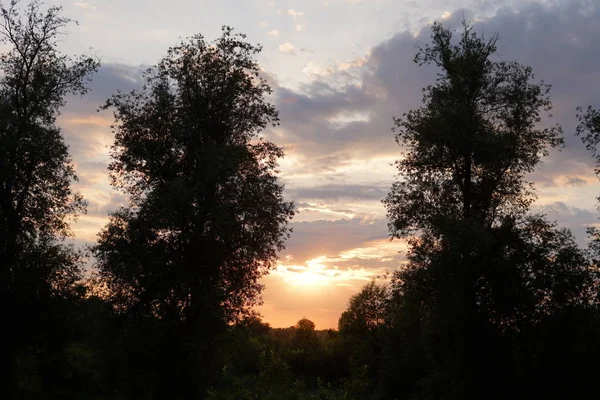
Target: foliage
[37, 268]
[206, 215]
[481, 272]
[467, 150]
[589, 130]
[493, 302]
[362, 329]
[35, 168]
[366, 310]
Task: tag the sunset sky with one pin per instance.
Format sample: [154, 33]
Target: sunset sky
[341, 69]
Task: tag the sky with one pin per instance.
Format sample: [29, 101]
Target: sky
[340, 70]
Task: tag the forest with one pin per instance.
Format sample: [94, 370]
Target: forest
[495, 301]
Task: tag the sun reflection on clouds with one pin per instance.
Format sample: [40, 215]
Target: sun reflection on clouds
[351, 267]
[300, 285]
[324, 209]
[382, 250]
[316, 272]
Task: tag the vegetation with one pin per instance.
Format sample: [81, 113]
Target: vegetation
[483, 271]
[37, 269]
[494, 302]
[206, 215]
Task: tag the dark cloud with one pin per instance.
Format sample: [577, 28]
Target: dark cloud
[329, 238]
[558, 40]
[85, 129]
[339, 192]
[573, 218]
[575, 181]
[107, 81]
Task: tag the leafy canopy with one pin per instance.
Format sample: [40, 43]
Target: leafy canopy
[36, 170]
[206, 215]
[468, 148]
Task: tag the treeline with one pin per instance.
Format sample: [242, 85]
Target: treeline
[494, 301]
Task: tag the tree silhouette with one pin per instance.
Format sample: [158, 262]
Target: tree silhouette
[35, 168]
[469, 147]
[589, 130]
[362, 328]
[305, 325]
[480, 268]
[36, 172]
[366, 310]
[206, 215]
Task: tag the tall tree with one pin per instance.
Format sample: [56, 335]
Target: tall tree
[479, 267]
[206, 215]
[468, 149]
[36, 171]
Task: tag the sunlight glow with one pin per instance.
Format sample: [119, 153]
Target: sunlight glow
[324, 271]
[383, 250]
[314, 273]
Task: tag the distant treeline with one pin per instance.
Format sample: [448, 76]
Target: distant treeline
[494, 301]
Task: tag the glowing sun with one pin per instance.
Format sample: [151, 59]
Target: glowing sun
[313, 274]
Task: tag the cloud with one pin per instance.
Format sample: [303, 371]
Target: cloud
[82, 5]
[109, 78]
[263, 24]
[327, 259]
[344, 114]
[287, 48]
[299, 27]
[336, 130]
[342, 117]
[273, 33]
[558, 41]
[574, 218]
[291, 12]
[330, 238]
[340, 191]
[88, 134]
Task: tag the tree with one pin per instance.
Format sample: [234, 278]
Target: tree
[469, 147]
[36, 171]
[366, 310]
[480, 269]
[35, 168]
[589, 130]
[206, 215]
[362, 329]
[305, 337]
[305, 348]
[305, 325]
